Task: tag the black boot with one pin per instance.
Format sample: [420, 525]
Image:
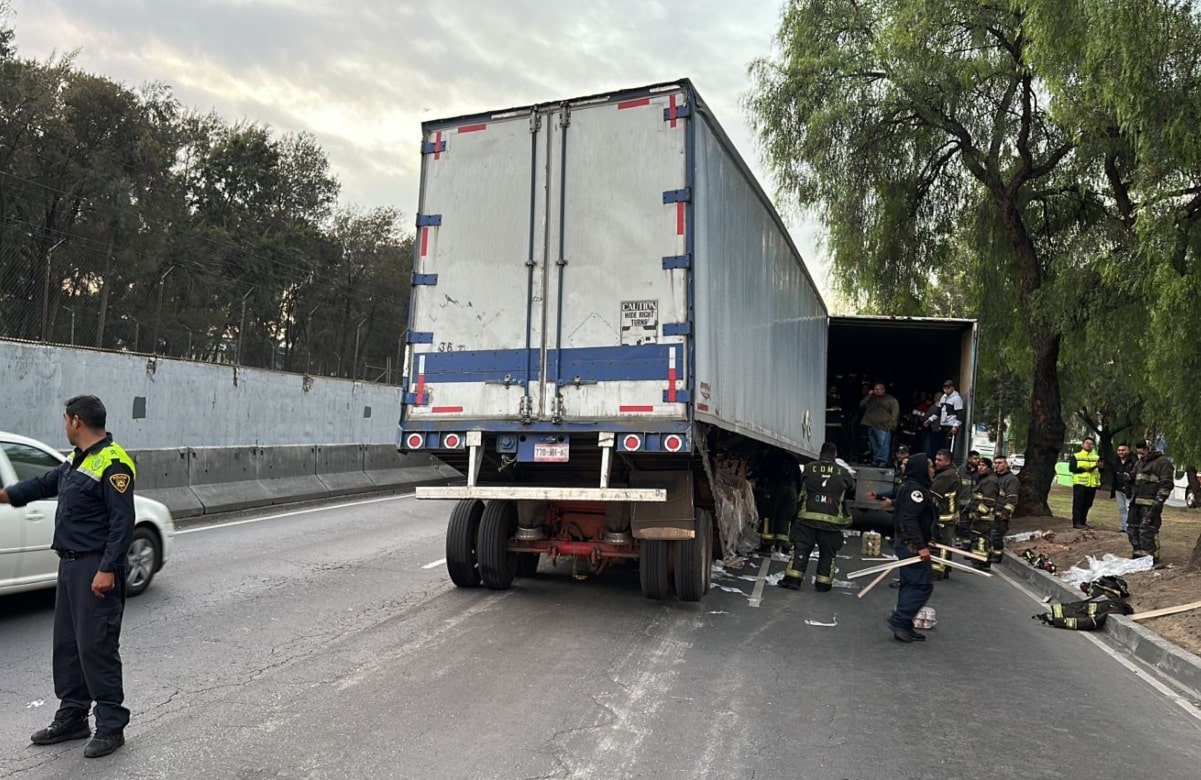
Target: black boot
[61, 731]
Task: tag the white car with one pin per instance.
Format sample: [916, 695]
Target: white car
[26, 560]
[1016, 462]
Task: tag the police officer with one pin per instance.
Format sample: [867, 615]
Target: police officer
[92, 531]
[982, 510]
[1007, 502]
[821, 518]
[913, 530]
[1154, 478]
[945, 489]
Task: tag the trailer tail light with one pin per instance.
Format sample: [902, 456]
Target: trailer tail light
[414, 441]
[452, 441]
[673, 442]
[631, 442]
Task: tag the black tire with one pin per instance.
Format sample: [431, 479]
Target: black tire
[461, 561]
[652, 569]
[142, 560]
[498, 566]
[694, 558]
[527, 564]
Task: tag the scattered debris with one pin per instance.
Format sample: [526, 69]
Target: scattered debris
[1110, 564]
[35, 703]
[819, 623]
[1028, 535]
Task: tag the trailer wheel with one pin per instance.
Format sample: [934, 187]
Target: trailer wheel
[652, 569]
[527, 564]
[694, 558]
[497, 565]
[461, 561]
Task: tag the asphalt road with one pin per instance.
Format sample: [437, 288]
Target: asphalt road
[330, 643]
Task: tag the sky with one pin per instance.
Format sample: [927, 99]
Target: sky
[361, 75]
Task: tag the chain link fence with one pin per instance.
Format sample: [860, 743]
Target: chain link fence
[48, 295]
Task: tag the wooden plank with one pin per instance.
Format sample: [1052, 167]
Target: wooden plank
[883, 567]
[879, 578]
[1165, 611]
[964, 553]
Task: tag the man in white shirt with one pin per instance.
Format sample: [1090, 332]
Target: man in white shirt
[944, 419]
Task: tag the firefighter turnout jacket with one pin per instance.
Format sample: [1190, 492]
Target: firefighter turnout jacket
[1154, 477]
[825, 488]
[1007, 494]
[945, 487]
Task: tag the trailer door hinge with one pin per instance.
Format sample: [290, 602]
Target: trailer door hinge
[429, 147]
[678, 196]
[677, 329]
[421, 337]
[682, 397]
[429, 220]
[425, 280]
[677, 261]
[682, 110]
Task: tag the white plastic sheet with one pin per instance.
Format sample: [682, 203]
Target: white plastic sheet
[1110, 565]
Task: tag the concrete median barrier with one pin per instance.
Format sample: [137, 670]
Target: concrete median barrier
[388, 468]
[340, 469]
[226, 478]
[289, 473]
[163, 476]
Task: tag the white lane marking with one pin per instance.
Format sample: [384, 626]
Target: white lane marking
[757, 593]
[292, 514]
[1139, 672]
[435, 564]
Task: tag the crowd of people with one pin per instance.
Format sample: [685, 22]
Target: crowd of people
[938, 507]
[869, 430]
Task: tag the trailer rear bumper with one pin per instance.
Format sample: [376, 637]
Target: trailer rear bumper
[650, 495]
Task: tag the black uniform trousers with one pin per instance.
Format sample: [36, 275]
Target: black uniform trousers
[87, 633]
[917, 583]
[804, 538]
[1082, 501]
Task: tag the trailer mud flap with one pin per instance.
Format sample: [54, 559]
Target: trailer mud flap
[673, 519]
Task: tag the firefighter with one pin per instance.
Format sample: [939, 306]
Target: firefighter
[1154, 477]
[777, 479]
[1007, 502]
[982, 510]
[913, 528]
[821, 518]
[967, 486]
[945, 488]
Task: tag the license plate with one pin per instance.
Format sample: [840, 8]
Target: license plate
[551, 453]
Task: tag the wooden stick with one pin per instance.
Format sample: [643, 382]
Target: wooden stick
[964, 553]
[1165, 611]
[879, 578]
[883, 567]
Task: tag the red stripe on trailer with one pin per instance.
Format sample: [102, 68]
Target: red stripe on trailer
[702, 407]
[636, 409]
[671, 110]
[680, 218]
[671, 375]
[633, 104]
[421, 381]
[473, 128]
[425, 241]
[446, 409]
[438, 145]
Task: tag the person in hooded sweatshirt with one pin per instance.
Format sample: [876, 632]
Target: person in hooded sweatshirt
[913, 530]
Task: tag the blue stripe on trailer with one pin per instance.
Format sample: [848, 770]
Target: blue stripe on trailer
[593, 426]
[591, 364]
[677, 261]
[678, 196]
[425, 280]
[429, 220]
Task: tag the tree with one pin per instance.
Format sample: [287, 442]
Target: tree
[918, 127]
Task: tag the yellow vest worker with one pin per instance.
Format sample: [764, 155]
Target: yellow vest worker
[1085, 467]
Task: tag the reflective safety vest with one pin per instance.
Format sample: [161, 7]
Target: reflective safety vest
[1090, 476]
[97, 463]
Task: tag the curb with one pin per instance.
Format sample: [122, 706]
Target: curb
[1170, 660]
